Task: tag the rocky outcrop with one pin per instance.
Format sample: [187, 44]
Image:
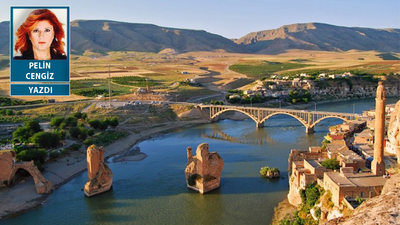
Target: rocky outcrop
[9, 167]
[383, 209]
[203, 171]
[100, 175]
[393, 132]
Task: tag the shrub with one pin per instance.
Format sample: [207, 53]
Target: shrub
[332, 164]
[74, 132]
[318, 213]
[359, 200]
[77, 115]
[83, 133]
[9, 112]
[94, 123]
[56, 121]
[63, 125]
[54, 154]
[37, 155]
[90, 132]
[103, 125]
[71, 121]
[264, 171]
[114, 121]
[74, 147]
[88, 141]
[62, 134]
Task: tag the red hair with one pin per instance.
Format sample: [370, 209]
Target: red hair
[23, 43]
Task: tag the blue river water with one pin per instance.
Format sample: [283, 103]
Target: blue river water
[153, 191]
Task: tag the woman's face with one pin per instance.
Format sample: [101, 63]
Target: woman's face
[42, 36]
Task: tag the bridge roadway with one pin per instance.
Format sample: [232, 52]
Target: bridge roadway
[308, 118]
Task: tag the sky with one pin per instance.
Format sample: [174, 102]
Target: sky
[228, 18]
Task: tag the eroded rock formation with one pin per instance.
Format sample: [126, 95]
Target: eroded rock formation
[100, 175]
[8, 169]
[203, 171]
[393, 132]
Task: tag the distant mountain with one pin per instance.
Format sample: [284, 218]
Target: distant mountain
[318, 36]
[5, 37]
[104, 35]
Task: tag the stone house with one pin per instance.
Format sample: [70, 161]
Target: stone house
[365, 137]
[347, 184]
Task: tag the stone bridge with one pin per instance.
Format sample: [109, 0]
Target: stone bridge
[308, 118]
[8, 169]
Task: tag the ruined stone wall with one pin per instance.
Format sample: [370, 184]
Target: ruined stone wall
[6, 162]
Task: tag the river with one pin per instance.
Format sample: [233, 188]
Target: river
[153, 191]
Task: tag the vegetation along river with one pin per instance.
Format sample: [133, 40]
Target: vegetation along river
[153, 191]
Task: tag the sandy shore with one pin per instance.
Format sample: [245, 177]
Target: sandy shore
[23, 197]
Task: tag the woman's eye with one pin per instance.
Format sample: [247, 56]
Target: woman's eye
[47, 30]
[35, 31]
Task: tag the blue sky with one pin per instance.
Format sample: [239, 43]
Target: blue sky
[229, 18]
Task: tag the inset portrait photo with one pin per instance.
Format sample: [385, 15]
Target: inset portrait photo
[39, 33]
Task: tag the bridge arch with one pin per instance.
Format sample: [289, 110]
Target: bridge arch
[42, 185]
[327, 117]
[237, 110]
[301, 120]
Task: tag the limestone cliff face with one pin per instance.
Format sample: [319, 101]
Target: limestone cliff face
[100, 175]
[393, 132]
[383, 209]
[203, 171]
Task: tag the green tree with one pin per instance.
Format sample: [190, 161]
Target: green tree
[22, 134]
[33, 125]
[46, 139]
[332, 164]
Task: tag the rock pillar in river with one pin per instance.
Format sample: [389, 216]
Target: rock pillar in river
[99, 174]
[203, 171]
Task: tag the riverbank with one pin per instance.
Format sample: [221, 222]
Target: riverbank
[23, 197]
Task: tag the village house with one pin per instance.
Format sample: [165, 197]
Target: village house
[348, 185]
[364, 137]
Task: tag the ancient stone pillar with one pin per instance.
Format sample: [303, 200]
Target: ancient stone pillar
[378, 165]
[100, 175]
[189, 153]
[203, 171]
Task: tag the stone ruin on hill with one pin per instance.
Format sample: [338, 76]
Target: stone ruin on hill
[9, 168]
[100, 176]
[203, 171]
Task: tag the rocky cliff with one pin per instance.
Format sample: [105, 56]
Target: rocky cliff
[393, 132]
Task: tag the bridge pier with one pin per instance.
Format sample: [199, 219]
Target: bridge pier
[258, 125]
[309, 130]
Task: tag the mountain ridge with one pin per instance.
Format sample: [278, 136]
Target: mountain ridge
[322, 37]
[109, 35]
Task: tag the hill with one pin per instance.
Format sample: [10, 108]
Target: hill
[103, 35]
[324, 37]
